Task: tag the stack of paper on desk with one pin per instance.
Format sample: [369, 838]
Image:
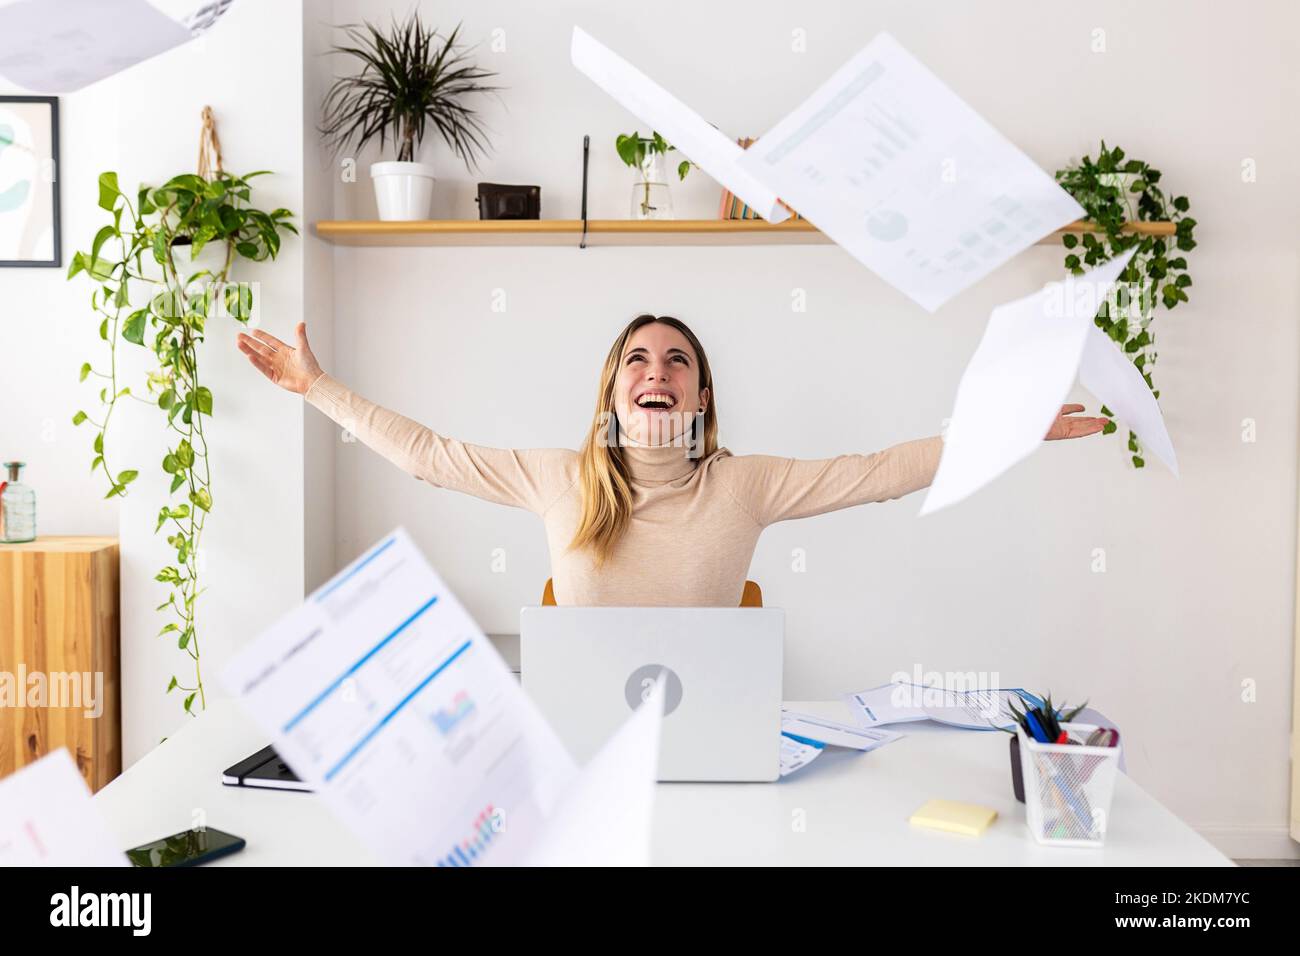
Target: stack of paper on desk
[804, 737]
[383, 694]
[902, 701]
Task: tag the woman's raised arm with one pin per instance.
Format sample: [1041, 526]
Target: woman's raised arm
[775, 489]
[531, 478]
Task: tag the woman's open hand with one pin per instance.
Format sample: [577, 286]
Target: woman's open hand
[1066, 426]
[291, 368]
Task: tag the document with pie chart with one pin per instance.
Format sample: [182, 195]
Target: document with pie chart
[893, 166]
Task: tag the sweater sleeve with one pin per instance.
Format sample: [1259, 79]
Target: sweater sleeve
[522, 478]
[775, 489]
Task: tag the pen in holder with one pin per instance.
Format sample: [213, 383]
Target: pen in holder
[1068, 788]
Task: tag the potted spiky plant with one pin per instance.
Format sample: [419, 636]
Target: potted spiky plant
[409, 77]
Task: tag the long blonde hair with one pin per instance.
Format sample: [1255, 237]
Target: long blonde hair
[606, 489]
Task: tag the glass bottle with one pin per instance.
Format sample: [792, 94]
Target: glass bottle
[17, 508]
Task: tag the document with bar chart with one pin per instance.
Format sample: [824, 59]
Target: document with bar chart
[384, 694]
[894, 167]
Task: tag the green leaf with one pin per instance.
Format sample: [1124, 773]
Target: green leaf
[175, 683]
[133, 328]
[169, 628]
[170, 464]
[1108, 428]
[185, 453]
[85, 370]
[177, 482]
[99, 444]
[167, 398]
[126, 477]
[1070, 240]
[101, 237]
[99, 460]
[115, 490]
[78, 418]
[203, 400]
[201, 498]
[108, 191]
[189, 701]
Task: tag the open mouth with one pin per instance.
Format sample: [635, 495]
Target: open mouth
[656, 401]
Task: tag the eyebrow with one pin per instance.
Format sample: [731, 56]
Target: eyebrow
[640, 348]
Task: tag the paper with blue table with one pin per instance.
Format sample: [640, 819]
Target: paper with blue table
[384, 695]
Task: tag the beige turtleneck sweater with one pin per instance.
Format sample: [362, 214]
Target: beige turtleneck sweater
[695, 522]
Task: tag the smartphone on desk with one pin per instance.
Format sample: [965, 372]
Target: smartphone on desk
[187, 848]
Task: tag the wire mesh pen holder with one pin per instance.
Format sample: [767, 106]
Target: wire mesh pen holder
[1068, 788]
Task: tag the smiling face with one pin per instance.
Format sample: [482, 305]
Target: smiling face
[657, 392]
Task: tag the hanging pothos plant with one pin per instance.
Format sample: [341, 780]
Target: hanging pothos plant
[144, 298]
[1114, 190]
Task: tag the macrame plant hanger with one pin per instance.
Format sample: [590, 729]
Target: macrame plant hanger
[209, 146]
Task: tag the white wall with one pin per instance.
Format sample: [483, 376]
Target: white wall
[144, 124]
[1197, 595]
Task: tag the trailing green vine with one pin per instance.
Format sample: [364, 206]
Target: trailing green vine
[1114, 190]
[136, 262]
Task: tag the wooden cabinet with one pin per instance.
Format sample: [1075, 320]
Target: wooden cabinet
[60, 654]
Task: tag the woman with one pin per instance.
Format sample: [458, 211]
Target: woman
[651, 511]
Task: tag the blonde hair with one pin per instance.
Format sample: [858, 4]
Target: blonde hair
[603, 471]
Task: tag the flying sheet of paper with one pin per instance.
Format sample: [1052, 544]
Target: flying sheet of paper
[834, 733]
[797, 754]
[606, 817]
[906, 177]
[48, 819]
[1113, 378]
[681, 126]
[57, 46]
[384, 695]
[1015, 383]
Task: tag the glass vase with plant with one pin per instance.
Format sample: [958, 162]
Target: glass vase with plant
[646, 154]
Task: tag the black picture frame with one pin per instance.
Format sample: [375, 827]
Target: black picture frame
[55, 213]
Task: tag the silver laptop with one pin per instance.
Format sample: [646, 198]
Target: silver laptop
[586, 668]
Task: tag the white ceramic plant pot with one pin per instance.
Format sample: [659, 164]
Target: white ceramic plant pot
[403, 191]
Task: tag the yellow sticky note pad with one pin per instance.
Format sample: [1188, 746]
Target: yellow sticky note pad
[968, 818]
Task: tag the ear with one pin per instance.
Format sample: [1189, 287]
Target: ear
[704, 397]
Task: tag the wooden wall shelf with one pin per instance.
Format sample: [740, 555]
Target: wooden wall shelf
[611, 232]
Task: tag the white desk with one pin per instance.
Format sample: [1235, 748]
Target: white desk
[854, 808]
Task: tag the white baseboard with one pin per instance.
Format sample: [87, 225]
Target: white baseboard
[1252, 843]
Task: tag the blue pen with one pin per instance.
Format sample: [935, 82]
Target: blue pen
[1036, 728]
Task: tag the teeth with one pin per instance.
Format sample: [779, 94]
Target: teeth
[655, 396]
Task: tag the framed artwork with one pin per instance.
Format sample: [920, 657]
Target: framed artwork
[29, 182]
